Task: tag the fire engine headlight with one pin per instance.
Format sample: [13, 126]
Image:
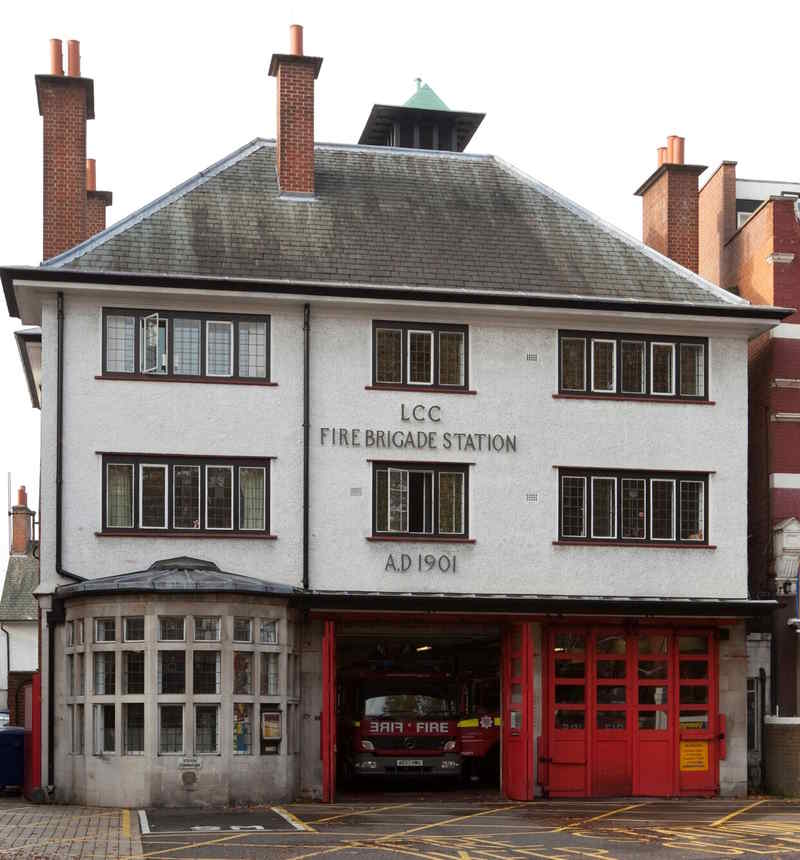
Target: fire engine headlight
[367, 746]
[449, 746]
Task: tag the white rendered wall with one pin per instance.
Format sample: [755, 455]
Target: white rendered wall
[24, 645]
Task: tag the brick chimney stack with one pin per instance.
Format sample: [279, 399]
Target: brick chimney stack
[670, 205]
[21, 524]
[296, 74]
[96, 201]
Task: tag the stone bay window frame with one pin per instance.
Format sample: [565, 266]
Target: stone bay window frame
[412, 356]
[402, 490]
[149, 346]
[242, 521]
[631, 366]
[621, 507]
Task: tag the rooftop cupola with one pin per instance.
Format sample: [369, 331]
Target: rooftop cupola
[423, 122]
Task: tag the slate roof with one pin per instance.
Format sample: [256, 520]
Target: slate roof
[174, 575]
[389, 217]
[22, 577]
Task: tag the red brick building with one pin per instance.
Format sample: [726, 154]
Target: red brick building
[744, 236]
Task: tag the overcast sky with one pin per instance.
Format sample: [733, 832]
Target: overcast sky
[578, 94]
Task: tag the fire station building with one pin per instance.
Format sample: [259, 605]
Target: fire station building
[329, 426]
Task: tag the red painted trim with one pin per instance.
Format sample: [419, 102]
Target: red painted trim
[414, 539]
[328, 715]
[617, 543]
[636, 398]
[424, 389]
[165, 533]
[197, 380]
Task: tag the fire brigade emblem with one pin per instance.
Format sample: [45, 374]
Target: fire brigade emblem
[486, 721]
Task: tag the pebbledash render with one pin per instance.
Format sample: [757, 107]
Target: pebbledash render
[379, 389]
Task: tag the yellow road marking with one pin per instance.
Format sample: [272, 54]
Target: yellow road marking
[296, 822]
[126, 823]
[443, 823]
[361, 812]
[725, 818]
[599, 817]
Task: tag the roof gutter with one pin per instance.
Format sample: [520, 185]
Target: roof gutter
[400, 293]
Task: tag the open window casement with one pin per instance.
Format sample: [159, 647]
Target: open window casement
[154, 344]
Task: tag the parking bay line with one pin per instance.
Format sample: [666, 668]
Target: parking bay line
[297, 823]
[599, 817]
[370, 811]
[727, 818]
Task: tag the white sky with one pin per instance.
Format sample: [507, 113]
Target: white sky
[578, 94]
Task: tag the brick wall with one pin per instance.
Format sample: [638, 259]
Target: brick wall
[669, 215]
[786, 276]
[16, 696]
[96, 202]
[716, 222]
[63, 105]
[747, 254]
[782, 741]
[295, 137]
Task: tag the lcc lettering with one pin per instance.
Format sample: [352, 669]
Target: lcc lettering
[424, 563]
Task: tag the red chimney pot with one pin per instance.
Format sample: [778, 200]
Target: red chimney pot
[296, 40]
[22, 497]
[74, 58]
[91, 174]
[662, 155]
[56, 58]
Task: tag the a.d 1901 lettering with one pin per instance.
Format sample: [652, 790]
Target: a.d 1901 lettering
[419, 562]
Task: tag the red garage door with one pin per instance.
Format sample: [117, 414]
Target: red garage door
[630, 713]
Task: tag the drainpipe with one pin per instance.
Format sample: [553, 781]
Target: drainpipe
[8, 654]
[762, 682]
[306, 430]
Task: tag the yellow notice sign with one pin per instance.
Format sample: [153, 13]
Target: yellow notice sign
[694, 755]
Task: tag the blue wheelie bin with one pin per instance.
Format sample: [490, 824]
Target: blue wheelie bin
[12, 756]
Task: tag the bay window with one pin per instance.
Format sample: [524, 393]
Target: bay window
[630, 507]
[208, 496]
[420, 500]
[636, 366]
[420, 355]
[185, 346]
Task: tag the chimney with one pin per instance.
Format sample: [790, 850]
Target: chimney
[66, 102]
[96, 201]
[670, 205]
[21, 524]
[294, 149]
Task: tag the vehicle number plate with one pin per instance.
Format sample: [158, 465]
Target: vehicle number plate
[409, 762]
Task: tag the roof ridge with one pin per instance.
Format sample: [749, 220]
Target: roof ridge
[619, 234]
[154, 206]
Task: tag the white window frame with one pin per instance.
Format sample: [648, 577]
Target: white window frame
[439, 502]
[124, 733]
[123, 316]
[103, 619]
[99, 728]
[697, 346]
[165, 469]
[183, 727]
[263, 525]
[463, 381]
[249, 621]
[378, 380]
[429, 333]
[230, 325]
[585, 507]
[233, 494]
[217, 750]
[653, 482]
[613, 388]
[130, 466]
[671, 392]
[255, 322]
[218, 637]
[148, 322]
[273, 621]
[702, 486]
[643, 344]
[179, 319]
[404, 522]
[562, 341]
[125, 628]
[199, 496]
[621, 512]
[615, 511]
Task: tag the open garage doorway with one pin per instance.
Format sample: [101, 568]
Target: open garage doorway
[418, 707]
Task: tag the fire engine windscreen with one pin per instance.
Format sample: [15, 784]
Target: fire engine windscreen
[400, 702]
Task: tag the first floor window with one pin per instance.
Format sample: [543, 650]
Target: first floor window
[186, 347]
[80, 683]
[171, 628]
[242, 629]
[252, 484]
[70, 631]
[104, 729]
[604, 365]
[104, 630]
[219, 348]
[133, 673]
[78, 730]
[206, 628]
[633, 366]
[170, 729]
[662, 358]
[79, 632]
[242, 728]
[269, 674]
[186, 497]
[628, 506]
[242, 673]
[692, 369]
[104, 673]
[253, 349]
[172, 672]
[70, 675]
[573, 364]
[206, 728]
[268, 631]
[420, 500]
[206, 672]
[153, 497]
[134, 628]
[133, 731]
[420, 354]
[219, 497]
[120, 343]
[154, 352]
